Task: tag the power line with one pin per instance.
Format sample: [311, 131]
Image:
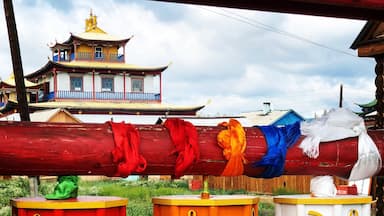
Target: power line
[260, 25]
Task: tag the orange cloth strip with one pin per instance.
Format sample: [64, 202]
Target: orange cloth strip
[233, 142]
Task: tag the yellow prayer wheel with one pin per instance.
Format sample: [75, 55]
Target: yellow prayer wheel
[80, 206]
[193, 205]
[342, 205]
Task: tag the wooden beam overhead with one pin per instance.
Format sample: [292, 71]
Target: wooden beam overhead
[371, 50]
[352, 9]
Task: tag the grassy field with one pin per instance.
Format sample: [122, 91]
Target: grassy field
[139, 193]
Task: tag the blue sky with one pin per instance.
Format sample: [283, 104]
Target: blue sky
[236, 59]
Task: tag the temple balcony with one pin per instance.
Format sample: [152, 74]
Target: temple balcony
[88, 56]
[111, 96]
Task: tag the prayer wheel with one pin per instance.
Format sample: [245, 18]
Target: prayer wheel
[343, 205]
[194, 205]
[80, 206]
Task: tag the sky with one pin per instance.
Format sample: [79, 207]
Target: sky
[230, 60]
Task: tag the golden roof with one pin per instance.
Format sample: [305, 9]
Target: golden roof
[97, 36]
[11, 82]
[111, 105]
[93, 32]
[108, 65]
[41, 116]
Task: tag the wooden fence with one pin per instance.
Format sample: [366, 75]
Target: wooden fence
[296, 184]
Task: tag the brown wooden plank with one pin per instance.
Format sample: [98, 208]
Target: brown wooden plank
[371, 50]
[362, 9]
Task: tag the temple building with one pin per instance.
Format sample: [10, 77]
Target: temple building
[87, 74]
[8, 90]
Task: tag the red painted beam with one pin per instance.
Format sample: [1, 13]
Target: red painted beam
[30, 148]
[353, 9]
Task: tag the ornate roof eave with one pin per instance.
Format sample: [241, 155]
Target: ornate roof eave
[11, 83]
[74, 37]
[89, 67]
[59, 45]
[49, 65]
[360, 40]
[369, 104]
[161, 110]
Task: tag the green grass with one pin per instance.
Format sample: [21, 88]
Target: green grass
[284, 191]
[139, 193]
[9, 189]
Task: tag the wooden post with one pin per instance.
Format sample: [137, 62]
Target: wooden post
[379, 82]
[18, 73]
[16, 60]
[341, 96]
[93, 85]
[379, 196]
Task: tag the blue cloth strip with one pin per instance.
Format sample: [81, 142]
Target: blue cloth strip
[278, 140]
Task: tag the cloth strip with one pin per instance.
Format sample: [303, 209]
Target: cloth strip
[184, 137]
[278, 140]
[126, 152]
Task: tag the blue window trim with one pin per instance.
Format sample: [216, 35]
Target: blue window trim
[72, 85]
[107, 79]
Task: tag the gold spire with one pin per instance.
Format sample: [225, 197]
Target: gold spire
[91, 22]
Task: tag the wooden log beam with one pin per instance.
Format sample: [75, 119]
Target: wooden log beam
[352, 9]
[30, 148]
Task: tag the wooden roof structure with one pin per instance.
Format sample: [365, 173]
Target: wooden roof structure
[97, 107]
[49, 115]
[370, 41]
[352, 9]
[93, 33]
[81, 66]
[10, 83]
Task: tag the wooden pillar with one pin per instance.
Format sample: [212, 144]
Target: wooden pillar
[124, 53]
[16, 61]
[161, 87]
[74, 51]
[54, 83]
[93, 85]
[125, 87]
[379, 196]
[379, 82]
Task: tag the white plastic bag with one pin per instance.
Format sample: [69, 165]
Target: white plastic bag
[322, 186]
[369, 161]
[339, 124]
[335, 125]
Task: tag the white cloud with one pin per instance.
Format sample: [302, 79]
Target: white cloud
[232, 60]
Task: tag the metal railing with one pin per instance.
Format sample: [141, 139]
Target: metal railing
[88, 56]
[83, 56]
[89, 95]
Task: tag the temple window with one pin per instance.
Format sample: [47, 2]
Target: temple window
[76, 83]
[64, 55]
[107, 84]
[137, 84]
[98, 52]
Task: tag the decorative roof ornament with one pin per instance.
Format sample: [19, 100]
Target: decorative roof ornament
[91, 24]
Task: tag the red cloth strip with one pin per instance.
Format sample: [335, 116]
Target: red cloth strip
[184, 137]
[126, 152]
